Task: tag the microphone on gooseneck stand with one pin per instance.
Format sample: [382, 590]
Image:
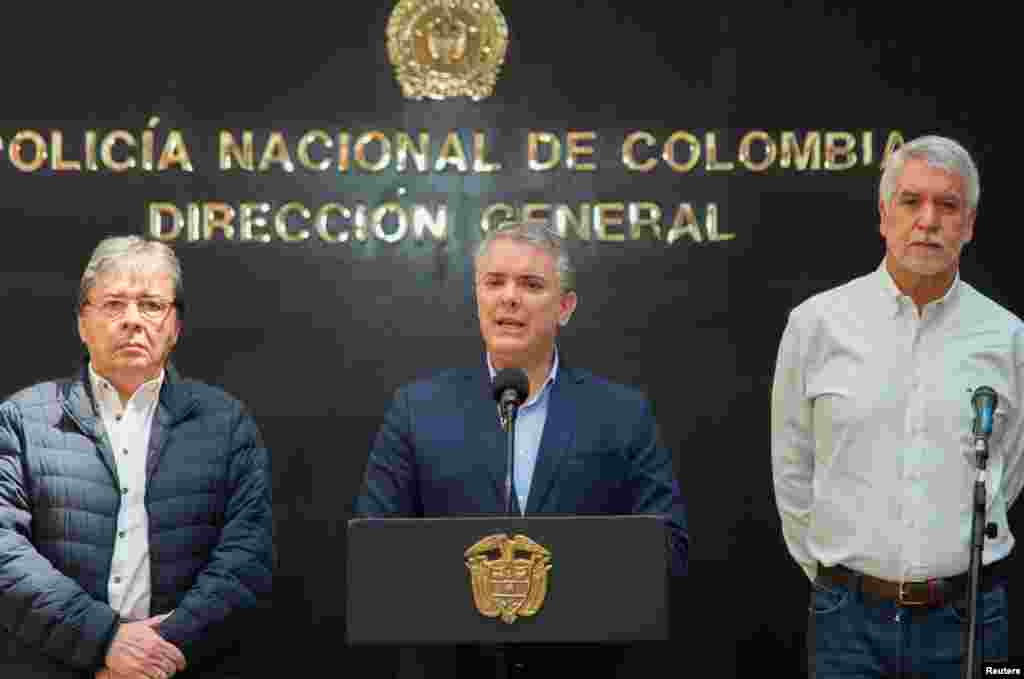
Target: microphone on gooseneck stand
[511, 386]
[984, 401]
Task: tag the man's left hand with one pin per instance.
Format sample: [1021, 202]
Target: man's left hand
[107, 673]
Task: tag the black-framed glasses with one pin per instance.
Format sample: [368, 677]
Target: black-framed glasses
[152, 309]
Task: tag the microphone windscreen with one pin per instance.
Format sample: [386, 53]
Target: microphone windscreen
[511, 378]
[984, 401]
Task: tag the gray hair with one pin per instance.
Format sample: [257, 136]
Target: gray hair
[120, 253]
[939, 152]
[539, 236]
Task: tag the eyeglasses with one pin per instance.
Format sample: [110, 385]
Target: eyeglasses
[151, 309]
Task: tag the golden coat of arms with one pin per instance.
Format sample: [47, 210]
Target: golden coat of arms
[447, 48]
[508, 585]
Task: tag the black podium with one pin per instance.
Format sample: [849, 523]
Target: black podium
[409, 583]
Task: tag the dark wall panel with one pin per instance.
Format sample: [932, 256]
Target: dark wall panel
[315, 337]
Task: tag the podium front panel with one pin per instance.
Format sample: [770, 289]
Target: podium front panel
[408, 582]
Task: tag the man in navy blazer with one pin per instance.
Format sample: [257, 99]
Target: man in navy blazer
[441, 453]
[584, 445]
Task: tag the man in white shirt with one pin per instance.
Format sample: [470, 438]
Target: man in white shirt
[872, 436]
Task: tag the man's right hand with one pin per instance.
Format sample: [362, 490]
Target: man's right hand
[138, 651]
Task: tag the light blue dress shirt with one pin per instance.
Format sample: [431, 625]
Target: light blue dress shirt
[529, 429]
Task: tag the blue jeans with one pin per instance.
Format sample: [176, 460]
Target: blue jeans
[853, 636]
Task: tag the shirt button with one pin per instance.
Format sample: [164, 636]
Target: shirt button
[124, 491]
[124, 452]
[122, 534]
[117, 579]
[117, 417]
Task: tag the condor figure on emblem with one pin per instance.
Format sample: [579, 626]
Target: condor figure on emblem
[583, 445]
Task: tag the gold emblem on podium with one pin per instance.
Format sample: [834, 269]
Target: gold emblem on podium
[510, 585]
[447, 48]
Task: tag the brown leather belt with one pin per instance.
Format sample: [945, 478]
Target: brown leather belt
[931, 593]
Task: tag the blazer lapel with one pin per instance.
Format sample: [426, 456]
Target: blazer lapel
[482, 420]
[556, 439]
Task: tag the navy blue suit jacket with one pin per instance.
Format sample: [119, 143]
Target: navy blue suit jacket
[441, 452]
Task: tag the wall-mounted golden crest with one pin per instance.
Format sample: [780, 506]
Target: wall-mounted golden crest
[509, 585]
[447, 48]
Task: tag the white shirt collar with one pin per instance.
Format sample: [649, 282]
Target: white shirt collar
[106, 394]
[898, 296]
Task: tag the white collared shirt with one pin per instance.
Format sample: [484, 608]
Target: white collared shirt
[871, 428]
[128, 428]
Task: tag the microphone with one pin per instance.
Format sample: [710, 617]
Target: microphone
[510, 388]
[984, 401]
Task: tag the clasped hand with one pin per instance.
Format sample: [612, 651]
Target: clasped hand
[138, 652]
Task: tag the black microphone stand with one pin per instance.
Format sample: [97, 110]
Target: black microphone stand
[509, 410]
[979, 530]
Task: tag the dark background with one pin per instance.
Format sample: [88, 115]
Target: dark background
[314, 337]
